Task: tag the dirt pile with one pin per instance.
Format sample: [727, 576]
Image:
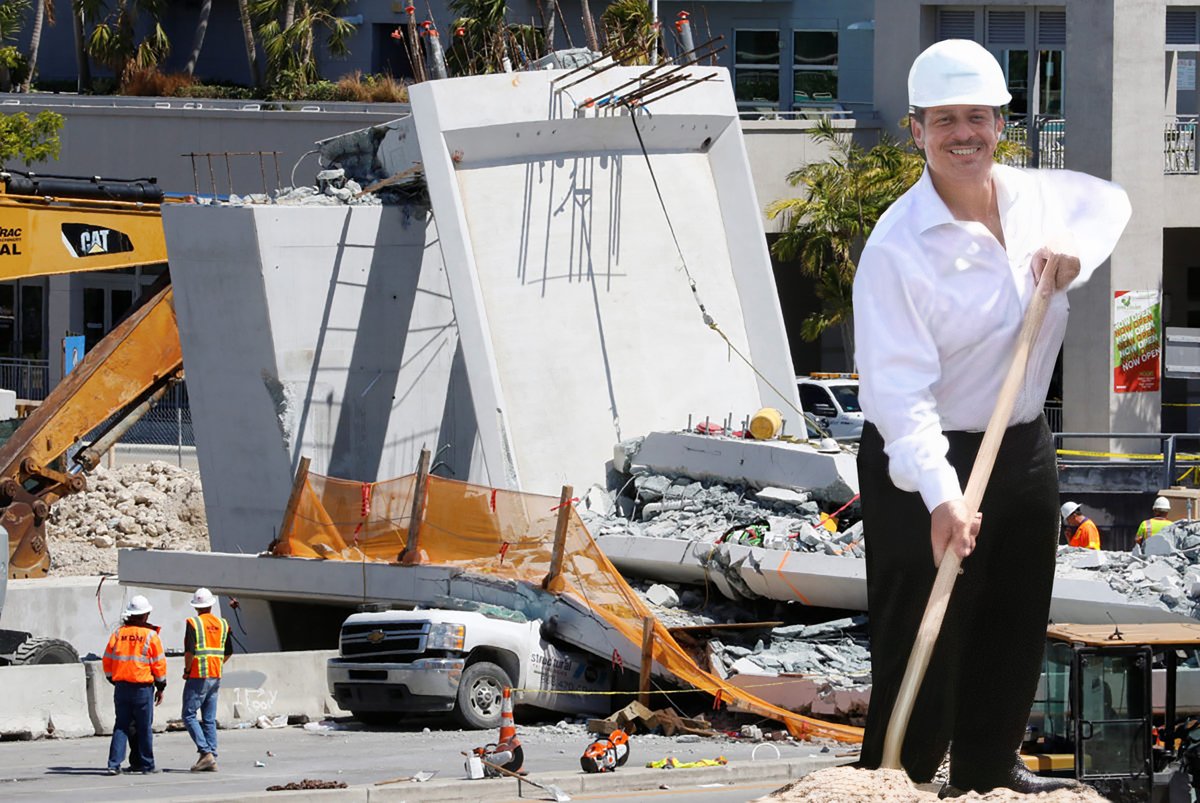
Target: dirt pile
[849, 785]
[154, 505]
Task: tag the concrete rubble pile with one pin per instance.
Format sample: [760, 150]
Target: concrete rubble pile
[1163, 572]
[837, 651]
[663, 507]
[153, 505]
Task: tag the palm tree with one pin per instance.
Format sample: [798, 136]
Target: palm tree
[826, 228]
[248, 37]
[484, 38]
[42, 12]
[290, 47]
[198, 42]
[589, 26]
[83, 65]
[114, 40]
[629, 24]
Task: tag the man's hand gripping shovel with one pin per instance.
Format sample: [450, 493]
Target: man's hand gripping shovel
[985, 459]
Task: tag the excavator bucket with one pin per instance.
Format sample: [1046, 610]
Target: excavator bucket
[132, 364]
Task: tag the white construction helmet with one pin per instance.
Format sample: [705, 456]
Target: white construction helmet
[137, 606]
[203, 598]
[1161, 503]
[956, 72]
[1069, 508]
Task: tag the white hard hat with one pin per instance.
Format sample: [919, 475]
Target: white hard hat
[1161, 503]
[203, 598]
[137, 606]
[1069, 508]
[956, 72]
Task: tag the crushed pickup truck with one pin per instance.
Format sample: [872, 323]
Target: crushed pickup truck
[397, 661]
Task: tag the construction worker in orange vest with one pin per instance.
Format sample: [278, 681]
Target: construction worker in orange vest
[206, 646]
[134, 662]
[1081, 531]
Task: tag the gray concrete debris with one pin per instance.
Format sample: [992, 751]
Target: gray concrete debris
[663, 596]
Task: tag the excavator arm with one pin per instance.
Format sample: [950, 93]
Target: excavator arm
[52, 225]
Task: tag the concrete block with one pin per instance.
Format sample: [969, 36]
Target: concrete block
[1158, 545]
[785, 496]
[662, 596]
[1159, 572]
[257, 684]
[44, 700]
[66, 608]
[1086, 559]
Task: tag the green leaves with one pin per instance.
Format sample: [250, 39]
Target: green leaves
[843, 198]
[291, 57]
[114, 40]
[29, 140]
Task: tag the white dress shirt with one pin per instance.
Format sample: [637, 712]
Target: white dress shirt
[938, 303]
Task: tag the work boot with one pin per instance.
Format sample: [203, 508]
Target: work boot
[113, 771]
[206, 763]
[199, 765]
[1017, 778]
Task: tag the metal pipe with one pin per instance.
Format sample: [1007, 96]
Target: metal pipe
[89, 457]
[623, 52]
[644, 76]
[647, 101]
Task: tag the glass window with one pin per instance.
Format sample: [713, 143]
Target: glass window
[1016, 72]
[815, 400]
[847, 397]
[1050, 81]
[93, 315]
[756, 67]
[814, 66]
[33, 308]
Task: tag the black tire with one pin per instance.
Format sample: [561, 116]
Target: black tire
[44, 651]
[480, 695]
[376, 717]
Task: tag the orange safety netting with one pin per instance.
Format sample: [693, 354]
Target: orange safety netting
[504, 534]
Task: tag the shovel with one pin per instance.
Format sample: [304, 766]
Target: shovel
[556, 794]
[981, 471]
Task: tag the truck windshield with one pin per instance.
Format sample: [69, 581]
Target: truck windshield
[847, 397]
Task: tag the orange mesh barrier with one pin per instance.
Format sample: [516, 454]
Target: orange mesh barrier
[505, 534]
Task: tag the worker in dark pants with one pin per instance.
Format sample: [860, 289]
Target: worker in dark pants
[134, 662]
[939, 296]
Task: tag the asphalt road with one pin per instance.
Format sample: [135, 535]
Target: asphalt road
[74, 769]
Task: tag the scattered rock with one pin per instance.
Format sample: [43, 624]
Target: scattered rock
[662, 596]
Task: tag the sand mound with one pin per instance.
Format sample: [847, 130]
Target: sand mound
[154, 505]
[849, 785]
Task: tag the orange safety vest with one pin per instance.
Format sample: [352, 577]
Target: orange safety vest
[1085, 535]
[135, 655]
[208, 655]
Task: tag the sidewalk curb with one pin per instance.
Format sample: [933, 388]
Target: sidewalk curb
[573, 783]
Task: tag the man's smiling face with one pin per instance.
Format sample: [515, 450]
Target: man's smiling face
[959, 141]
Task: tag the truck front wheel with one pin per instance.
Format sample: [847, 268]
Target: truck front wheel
[480, 695]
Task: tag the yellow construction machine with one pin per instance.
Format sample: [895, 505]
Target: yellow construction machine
[59, 224]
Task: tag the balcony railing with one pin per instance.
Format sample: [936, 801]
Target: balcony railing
[1179, 145]
[30, 379]
[1046, 146]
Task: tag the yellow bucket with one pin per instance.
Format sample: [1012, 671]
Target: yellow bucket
[766, 424]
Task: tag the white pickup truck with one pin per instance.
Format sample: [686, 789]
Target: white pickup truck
[421, 661]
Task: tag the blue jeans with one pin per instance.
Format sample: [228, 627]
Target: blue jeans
[200, 694]
[134, 727]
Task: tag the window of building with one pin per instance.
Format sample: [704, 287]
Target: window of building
[33, 313]
[756, 67]
[8, 319]
[814, 65]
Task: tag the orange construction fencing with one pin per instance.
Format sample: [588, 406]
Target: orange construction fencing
[505, 534]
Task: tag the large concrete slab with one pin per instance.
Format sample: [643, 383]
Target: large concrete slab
[37, 701]
[84, 610]
[322, 332]
[831, 581]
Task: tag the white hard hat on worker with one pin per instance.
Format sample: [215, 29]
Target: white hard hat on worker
[955, 89]
[1161, 505]
[137, 606]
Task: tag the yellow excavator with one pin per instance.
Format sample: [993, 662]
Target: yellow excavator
[61, 224]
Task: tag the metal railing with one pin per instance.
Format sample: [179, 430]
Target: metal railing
[1054, 415]
[1047, 145]
[1179, 145]
[29, 379]
[1176, 466]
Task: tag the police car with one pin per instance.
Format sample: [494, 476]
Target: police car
[832, 399]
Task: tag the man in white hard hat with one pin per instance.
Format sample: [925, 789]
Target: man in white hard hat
[206, 647]
[1080, 531]
[1160, 520]
[134, 662]
[942, 285]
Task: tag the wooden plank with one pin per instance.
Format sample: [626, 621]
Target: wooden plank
[553, 580]
[412, 547]
[690, 629]
[647, 660]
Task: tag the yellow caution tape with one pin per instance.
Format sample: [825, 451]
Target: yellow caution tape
[1124, 455]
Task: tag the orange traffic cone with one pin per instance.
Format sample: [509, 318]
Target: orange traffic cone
[508, 727]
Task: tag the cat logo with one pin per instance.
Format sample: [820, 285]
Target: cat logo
[83, 240]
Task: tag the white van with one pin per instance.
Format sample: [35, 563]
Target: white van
[832, 399]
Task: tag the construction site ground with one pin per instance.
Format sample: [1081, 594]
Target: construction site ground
[74, 769]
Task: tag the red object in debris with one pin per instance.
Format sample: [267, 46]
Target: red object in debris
[397, 34]
[709, 428]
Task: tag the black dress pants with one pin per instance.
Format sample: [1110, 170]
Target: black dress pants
[984, 669]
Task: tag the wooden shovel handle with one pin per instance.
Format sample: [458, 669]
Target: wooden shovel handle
[981, 471]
